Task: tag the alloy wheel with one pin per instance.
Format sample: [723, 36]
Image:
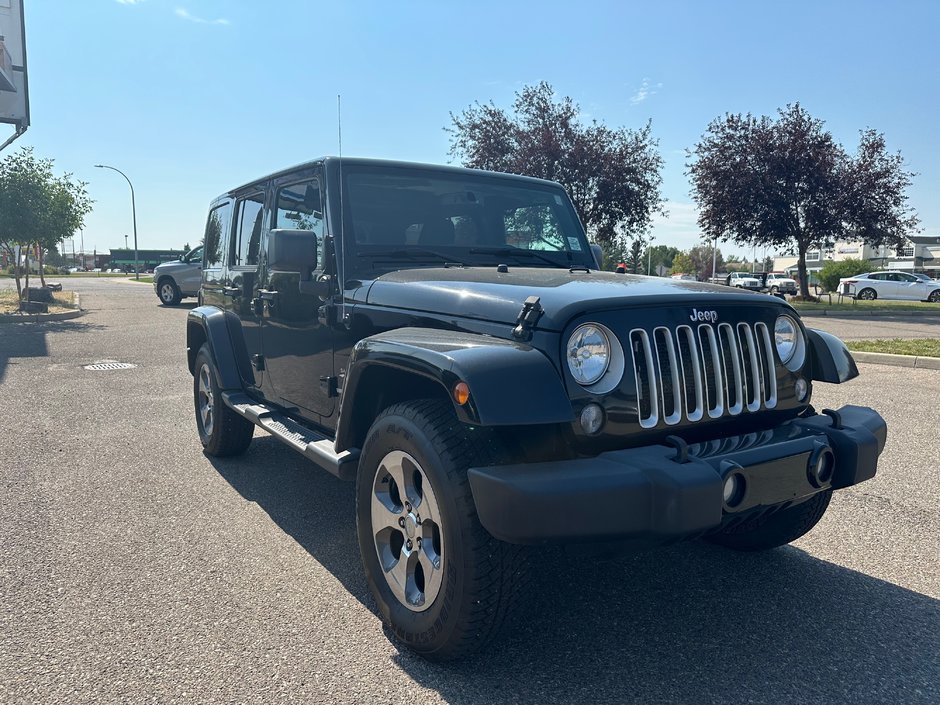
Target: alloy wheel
[407, 531]
[206, 400]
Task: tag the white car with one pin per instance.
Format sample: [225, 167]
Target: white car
[743, 280]
[780, 283]
[890, 286]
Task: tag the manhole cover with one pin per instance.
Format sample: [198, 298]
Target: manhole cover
[110, 365]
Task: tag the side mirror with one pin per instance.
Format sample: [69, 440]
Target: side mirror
[296, 251]
[598, 255]
[292, 251]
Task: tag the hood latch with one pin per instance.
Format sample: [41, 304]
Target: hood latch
[528, 317]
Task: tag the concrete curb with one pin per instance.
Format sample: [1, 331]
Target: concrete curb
[912, 361]
[868, 314]
[44, 317]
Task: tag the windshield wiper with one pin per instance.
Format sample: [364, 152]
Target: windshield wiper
[411, 253]
[518, 252]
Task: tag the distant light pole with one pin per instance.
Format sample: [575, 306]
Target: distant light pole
[133, 213]
[649, 259]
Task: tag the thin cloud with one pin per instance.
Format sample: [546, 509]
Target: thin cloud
[185, 14]
[645, 90]
[129, 2]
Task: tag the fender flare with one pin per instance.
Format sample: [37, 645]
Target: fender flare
[221, 330]
[831, 360]
[510, 383]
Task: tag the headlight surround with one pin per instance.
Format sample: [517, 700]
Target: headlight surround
[788, 339]
[588, 353]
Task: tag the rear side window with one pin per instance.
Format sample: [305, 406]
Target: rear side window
[248, 222]
[216, 237]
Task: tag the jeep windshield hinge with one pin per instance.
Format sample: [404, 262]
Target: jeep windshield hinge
[528, 317]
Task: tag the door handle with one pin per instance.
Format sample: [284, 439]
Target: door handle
[267, 295]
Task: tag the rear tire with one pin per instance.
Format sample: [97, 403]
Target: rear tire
[221, 431]
[168, 292]
[777, 529]
[446, 597]
[867, 294]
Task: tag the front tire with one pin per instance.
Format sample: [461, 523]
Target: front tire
[168, 293]
[777, 529]
[222, 432]
[934, 297]
[867, 294]
[442, 584]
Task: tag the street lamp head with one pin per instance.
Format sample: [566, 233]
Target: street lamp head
[99, 166]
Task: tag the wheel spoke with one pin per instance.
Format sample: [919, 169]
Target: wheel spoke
[384, 512]
[402, 578]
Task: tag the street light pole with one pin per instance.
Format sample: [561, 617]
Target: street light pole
[649, 259]
[133, 214]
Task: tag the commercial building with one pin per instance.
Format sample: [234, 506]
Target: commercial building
[921, 253]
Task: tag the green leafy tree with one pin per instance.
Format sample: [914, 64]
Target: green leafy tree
[697, 261]
[659, 256]
[832, 272]
[787, 184]
[612, 175]
[38, 208]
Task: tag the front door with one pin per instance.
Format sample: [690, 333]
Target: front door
[298, 348]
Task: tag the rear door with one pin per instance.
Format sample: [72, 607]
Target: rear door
[240, 284]
[215, 251]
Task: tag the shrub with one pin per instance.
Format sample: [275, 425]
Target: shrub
[832, 272]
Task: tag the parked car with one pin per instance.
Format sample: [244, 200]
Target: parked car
[743, 280]
[891, 286]
[684, 277]
[172, 281]
[443, 337]
[777, 282]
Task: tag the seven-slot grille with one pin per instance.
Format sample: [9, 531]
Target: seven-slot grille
[702, 371]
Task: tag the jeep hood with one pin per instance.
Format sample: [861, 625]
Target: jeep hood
[486, 294]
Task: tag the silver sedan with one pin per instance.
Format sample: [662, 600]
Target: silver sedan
[891, 286]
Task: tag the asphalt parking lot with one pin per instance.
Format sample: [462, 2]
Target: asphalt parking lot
[136, 569]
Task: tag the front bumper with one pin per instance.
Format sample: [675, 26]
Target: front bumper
[646, 495]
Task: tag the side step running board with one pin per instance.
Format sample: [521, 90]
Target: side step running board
[313, 445]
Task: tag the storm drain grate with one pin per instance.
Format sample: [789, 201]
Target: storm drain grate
[110, 365]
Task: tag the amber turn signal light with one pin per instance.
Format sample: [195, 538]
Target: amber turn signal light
[461, 393]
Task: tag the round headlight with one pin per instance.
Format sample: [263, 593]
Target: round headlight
[588, 353]
[787, 337]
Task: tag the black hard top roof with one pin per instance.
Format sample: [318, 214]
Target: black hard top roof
[363, 161]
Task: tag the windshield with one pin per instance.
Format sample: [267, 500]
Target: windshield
[412, 217]
[923, 277]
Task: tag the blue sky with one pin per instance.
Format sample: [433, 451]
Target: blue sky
[191, 97]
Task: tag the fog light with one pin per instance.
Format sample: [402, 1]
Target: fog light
[802, 388]
[592, 418]
[733, 490]
[821, 466]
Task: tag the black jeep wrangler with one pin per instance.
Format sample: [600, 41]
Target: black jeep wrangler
[444, 337]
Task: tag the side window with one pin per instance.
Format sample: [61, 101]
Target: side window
[216, 237]
[247, 242]
[907, 278]
[299, 207]
[194, 255]
[877, 277]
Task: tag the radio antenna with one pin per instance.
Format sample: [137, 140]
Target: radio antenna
[342, 209]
